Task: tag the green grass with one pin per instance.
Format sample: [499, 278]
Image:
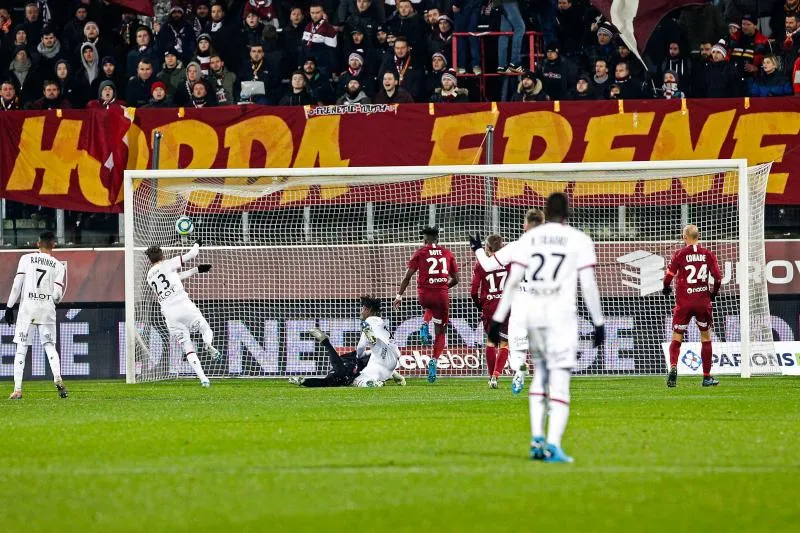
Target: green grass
[267, 456]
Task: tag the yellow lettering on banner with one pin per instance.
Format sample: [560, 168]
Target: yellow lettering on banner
[203, 142]
[57, 162]
[521, 131]
[318, 147]
[601, 132]
[446, 136]
[749, 136]
[273, 134]
[674, 141]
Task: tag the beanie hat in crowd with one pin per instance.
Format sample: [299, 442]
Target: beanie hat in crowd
[440, 56]
[109, 59]
[356, 55]
[103, 85]
[158, 85]
[606, 29]
[720, 47]
[450, 76]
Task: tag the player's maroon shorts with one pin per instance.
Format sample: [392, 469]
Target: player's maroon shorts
[438, 303]
[486, 318]
[683, 313]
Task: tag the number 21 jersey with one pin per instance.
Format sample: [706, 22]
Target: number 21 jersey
[434, 264]
[164, 280]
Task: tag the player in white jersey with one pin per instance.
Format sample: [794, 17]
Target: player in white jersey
[181, 315]
[385, 353]
[517, 332]
[551, 257]
[39, 285]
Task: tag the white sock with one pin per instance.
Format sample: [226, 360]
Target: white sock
[196, 366]
[537, 399]
[516, 359]
[19, 365]
[559, 404]
[55, 362]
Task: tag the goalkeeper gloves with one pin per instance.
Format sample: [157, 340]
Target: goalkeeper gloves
[198, 241]
[667, 290]
[203, 268]
[8, 317]
[475, 242]
[599, 336]
[494, 332]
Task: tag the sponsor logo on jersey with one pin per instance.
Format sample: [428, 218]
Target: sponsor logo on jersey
[690, 290]
[38, 296]
[643, 271]
[431, 281]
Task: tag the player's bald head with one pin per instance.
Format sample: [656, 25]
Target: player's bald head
[154, 254]
[47, 240]
[691, 234]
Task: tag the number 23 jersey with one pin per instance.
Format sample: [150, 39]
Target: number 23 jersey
[164, 280]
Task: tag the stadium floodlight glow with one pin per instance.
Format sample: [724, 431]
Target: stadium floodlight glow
[294, 248]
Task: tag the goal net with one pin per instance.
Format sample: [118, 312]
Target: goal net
[293, 249]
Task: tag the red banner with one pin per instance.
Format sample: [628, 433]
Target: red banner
[74, 159]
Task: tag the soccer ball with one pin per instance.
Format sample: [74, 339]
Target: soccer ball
[184, 225]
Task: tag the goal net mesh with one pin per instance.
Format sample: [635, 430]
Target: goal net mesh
[294, 253]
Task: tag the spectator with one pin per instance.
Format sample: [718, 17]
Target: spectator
[72, 34]
[298, 93]
[449, 93]
[529, 89]
[510, 20]
[319, 40]
[383, 48]
[138, 91]
[202, 17]
[252, 30]
[106, 97]
[126, 34]
[353, 93]
[571, 27]
[407, 22]
[203, 52]
[624, 87]
[780, 10]
[68, 89]
[671, 86]
[720, 78]
[49, 50]
[603, 48]
[223, 35]
[441, 39]
[183, 96]
[6, 24]
[467, 13]
[678, 64]
[409, 73]
[364, 15]
[109, 72]
[200, 96]
[172, 72]
[177, 34]
[390, 92]
[790, 46]
[33, 23]
[265, 10]
[748, 49]
[88, 73]
[635, 66]
[355, 71]
[291, 41]
[145, 48]
[52, 98]
[433, 79]
[316, 84]
[258, 84]
[9, 101]
[359, 45]
[583, 89]
[221, 81]
[556, 73]
[158, 96]
[601, 81]
[772, 82]
[91, 34]
[20, 39]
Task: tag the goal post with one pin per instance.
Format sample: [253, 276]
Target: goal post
[294, 248]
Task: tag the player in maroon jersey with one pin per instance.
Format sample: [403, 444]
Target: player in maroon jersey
[487, 289]
[691, 266]
[437, 273]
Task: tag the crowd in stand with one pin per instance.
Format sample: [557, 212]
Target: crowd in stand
[197, 53]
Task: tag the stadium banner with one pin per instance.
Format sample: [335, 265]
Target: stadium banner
[727, 358]
[74, 159]
[91, 341]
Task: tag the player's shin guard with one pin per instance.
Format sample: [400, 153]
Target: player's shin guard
[19, 365]
[55, 362]
[705, 355]
[500, 363]
[674, 352]
[491, 357]
[559, 405]
[537, 399]
[194, 362]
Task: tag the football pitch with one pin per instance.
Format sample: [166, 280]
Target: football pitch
[256, 455]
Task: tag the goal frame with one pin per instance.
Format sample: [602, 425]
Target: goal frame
[739, 166]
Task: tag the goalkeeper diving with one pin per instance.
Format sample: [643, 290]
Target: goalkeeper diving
[181, 314]
[372, 363]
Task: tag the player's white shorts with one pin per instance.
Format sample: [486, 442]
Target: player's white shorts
[556, 343]
[376, 370]
[25, 324]
[517, 330]
[183, 320]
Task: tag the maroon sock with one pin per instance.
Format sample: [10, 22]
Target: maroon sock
[438, 345]
[502, 357]
[491, 356]
[705, 355]
[674, 352]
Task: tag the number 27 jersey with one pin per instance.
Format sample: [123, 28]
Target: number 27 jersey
[691, 266]
[164, 280]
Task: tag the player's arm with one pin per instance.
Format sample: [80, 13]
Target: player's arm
[591, 297]
[455, 275]
[509, 292]
[498, 261]
[475, 287]
[191, 254]
[713, 267]
[404, 285]
[199, 269]
[16, 290]
[59, 284]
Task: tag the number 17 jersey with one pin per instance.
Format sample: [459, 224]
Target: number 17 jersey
[164, 280]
